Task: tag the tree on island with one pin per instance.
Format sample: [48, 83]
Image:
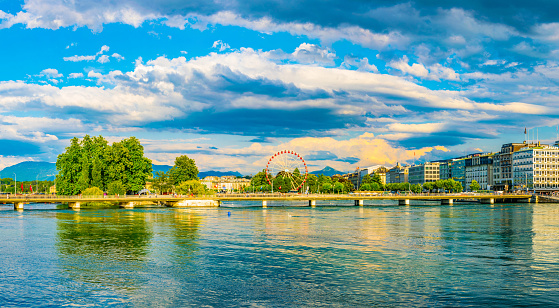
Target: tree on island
[91, 162]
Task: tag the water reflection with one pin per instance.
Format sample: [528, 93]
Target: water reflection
[108, 248]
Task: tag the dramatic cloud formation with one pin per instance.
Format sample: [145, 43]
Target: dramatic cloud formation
[230, 82]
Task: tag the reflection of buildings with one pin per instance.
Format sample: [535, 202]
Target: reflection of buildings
[229, 183]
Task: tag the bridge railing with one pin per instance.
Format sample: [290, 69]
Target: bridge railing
[248, 195]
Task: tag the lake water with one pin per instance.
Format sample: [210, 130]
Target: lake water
[282, 256]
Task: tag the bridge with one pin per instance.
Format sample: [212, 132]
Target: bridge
[75, 202]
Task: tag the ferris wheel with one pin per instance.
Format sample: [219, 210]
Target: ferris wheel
[289, 165]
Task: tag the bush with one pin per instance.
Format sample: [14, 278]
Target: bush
[92, 191]
[192, 187]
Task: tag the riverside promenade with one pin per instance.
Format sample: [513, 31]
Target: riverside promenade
[130, 201]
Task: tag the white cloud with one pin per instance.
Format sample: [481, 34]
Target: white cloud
[51, 73]
[77, 58]
[327, 35]
[103, 49]
[220, 45]
[55, 14]
[93, 74]
[435, 71]
[313, 54]
[75, 75]
[117, 56]
[103, 59]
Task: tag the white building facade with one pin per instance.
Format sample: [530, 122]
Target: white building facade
[536, 168]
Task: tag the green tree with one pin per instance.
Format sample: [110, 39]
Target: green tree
[116, 188]
[69, 169]
[139, 168]
[365, 187]
[312, 183]
[91, 162]
[192, 187]
[474, 186]
[366, 179]
[429, 186]
[375, 186]
[326, 187]
[338, 187]
[259, 179]
[161, 182]
[449, 184]
[184, 169]
[457, 187]
[92, 191]
[416, 188]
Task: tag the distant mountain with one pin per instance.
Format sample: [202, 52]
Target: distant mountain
[43, 171]
[328, 171]
[201, 175]
[204, 174]
[31, 171]
[163, 168]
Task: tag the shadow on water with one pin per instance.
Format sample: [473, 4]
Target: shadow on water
[107, 248]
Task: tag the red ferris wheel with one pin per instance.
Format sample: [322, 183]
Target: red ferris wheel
[289, 165]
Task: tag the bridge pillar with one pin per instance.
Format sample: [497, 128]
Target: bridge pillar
[312, 203]
[488, 201]
[447, 201]
[359, 202]
[127, 205]
[264, 203]
[18, 206]
[534, 199]
[74, 205]
[404, 202]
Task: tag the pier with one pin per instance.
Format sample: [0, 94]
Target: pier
[130, 201]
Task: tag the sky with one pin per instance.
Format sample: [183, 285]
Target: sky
[345, 84]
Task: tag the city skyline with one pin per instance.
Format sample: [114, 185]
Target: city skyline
[230, 83]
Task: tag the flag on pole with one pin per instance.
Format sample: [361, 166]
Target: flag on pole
[21, 187]
[30, 188]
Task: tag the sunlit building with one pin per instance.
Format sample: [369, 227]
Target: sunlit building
[427, 172]
[536, 168]
[479, 168]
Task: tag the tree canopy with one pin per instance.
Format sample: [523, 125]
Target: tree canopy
[184, 170]
[91, 162]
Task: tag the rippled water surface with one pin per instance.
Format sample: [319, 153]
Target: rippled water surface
[376, 255]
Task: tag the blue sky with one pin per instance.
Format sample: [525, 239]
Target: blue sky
[344, 83]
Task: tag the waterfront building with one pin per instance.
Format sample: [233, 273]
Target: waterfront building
[479, 167]
[427, 172]
[458, 170]
[444, 171]
[502, 165]
[227, 183]
[536, 168]
[397, 174]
